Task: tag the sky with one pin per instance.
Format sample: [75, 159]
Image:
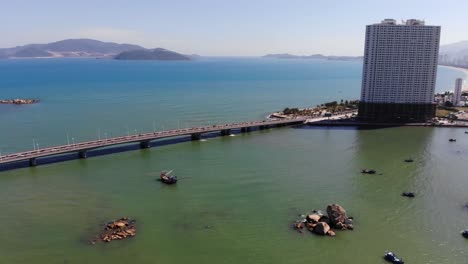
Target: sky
[223, 27]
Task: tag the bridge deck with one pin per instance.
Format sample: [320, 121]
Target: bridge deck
[145, 137]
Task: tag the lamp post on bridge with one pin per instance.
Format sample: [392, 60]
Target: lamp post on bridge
[34, 144]
[73, 141]
[68, 139]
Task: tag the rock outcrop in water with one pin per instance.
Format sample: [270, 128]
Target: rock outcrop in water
[338, 217]
[321, 224]
[118, 230]
[19, 101]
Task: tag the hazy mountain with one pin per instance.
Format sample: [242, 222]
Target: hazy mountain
[90, 46]
[455, 54]
[68, 48]
[151, 54]
[314, 56]
[32, 52]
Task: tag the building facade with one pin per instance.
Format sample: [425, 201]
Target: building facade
[399, 71]
[457, 92]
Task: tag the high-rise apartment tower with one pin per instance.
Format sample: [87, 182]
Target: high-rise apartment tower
[399, 72]
[457, 92]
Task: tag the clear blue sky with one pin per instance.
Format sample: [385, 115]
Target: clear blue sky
[223, 27]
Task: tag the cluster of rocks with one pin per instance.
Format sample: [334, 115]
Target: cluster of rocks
[118, 230]
[322, 224]
[19, 101]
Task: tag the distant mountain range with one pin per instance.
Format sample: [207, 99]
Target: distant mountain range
[455, 54]
[76, 48]
[315, 56]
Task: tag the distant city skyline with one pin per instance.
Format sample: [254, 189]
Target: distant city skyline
[223, 28]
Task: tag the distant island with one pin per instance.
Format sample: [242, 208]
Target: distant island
[151, 54]
[90, 48]
[19, 101]
[314, 56]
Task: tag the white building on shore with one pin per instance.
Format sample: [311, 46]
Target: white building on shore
[457, 92]
[399, 71]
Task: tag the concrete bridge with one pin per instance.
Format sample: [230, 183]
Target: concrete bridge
[144, 139]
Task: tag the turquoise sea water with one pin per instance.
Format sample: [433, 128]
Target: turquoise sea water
[237, 195]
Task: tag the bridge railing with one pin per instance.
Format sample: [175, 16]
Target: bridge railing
[81, 146]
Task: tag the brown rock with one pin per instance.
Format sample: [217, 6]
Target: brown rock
[337, 214]
[321, 228]
[310, 226]
[331, 233]
[313, 218]
[118, 230]
[325, 219]
[120, 224]
[299, 225]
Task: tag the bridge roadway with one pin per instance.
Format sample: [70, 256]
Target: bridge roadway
[144, 139]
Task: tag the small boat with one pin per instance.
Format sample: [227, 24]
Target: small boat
[167, 177]
[452, 140]
[465, 233]
[409, 160]
[366, 171]
[408, 194]
[466, 132]
[391, 257]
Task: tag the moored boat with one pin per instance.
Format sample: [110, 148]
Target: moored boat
[408, 194]
[391, 257]
[465, 233]
[167, 177]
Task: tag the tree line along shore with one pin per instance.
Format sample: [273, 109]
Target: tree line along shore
[332, 108]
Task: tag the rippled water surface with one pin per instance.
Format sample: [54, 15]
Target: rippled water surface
[237, 195]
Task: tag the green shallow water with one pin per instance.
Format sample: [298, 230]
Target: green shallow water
[237, 197]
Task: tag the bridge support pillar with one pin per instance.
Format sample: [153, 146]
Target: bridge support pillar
[263, 127]
[195, 136]
[32, 162]
[245, 129]
[144, 144]
[83, 154]
[225, 132]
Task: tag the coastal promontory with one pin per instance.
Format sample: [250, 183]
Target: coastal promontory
[151, 54]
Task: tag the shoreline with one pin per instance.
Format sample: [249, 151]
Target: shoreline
[464, 70]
